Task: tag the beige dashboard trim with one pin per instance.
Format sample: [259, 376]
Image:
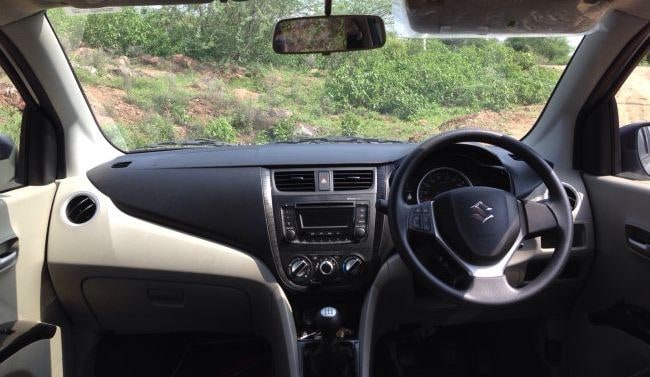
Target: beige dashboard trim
[116, 245]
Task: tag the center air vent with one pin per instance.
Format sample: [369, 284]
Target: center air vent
[81, 209]
[352, 180]
[295, 180]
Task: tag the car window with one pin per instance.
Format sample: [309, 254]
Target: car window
[11, 114]
[633, 104]
[633, 98]
[192, 74]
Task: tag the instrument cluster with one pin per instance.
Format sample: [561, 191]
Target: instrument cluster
[462, 167]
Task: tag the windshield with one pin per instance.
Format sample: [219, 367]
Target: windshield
[206, 75]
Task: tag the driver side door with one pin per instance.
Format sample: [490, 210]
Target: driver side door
[612, 320]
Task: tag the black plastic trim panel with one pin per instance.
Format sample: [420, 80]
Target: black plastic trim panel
[220, 204]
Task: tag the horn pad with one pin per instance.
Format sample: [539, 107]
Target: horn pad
[480, 224]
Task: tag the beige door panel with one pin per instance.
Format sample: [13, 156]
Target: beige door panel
[25, 212]
[618, 275]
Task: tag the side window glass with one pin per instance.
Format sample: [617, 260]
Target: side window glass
[633, 99]
[633, 102]
[11, 114]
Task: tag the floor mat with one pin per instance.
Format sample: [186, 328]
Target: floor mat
[182, 356]
[481, 350]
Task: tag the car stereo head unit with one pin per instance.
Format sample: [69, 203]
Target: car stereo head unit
[325, 222]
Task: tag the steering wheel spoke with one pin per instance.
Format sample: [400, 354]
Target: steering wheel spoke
[489, 289]
[421, 220]
[539, 218]
[488, 271]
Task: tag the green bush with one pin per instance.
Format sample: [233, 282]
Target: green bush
[548, 50]
[151, 130]
[220, 129]
[350, 125]
[283, 130]
[163, 95]
[404, 79]
[10, 122]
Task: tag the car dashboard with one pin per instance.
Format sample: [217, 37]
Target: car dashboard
[307, 211]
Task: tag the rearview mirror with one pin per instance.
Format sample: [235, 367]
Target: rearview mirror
[328, 34]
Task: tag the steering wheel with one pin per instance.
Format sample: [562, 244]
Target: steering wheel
[480, 227]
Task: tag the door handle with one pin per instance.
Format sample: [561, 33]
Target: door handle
[638, 239]
[8, 254]
[17, 335]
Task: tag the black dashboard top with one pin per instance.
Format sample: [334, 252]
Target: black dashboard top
[273, 155]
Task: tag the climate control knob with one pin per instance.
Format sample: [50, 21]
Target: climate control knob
[327, 266]
[299, 269]
[353, 266]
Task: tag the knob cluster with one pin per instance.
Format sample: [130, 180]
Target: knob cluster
[320, 269]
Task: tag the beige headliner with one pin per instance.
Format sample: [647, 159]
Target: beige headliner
[13, 10]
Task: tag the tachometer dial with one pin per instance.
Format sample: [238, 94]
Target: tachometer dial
[440, 180]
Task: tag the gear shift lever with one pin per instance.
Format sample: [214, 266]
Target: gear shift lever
[328, 358]
[328, 322]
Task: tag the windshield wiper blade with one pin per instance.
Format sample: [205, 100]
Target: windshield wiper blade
[340, 139]
[188, 143]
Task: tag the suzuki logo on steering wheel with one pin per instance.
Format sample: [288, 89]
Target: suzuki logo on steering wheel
[481, 212]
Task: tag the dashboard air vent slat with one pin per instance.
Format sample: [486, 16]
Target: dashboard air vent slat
[572, 196]
[295, 180]
[81, 209]
[353, 180]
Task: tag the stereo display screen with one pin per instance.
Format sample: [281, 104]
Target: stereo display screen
[326, 217]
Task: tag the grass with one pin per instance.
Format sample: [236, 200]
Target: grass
[10, 121]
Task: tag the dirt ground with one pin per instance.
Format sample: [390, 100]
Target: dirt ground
[633, 99]
[109, 105]
[514, 122]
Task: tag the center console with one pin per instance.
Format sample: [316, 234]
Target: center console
[324, 223]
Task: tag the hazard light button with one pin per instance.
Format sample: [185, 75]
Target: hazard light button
[323, 181]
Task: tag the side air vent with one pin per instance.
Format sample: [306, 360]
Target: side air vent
[295, 180]
[353, 180]
[572, 194]
[81, 209]
[121, 165]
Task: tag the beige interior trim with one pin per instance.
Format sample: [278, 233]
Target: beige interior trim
[27, 211]
[115, 245]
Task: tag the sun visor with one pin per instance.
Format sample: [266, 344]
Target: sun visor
[467, 18]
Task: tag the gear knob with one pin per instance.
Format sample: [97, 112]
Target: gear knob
[328, 322]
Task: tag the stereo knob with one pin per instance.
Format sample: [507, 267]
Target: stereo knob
[353, 266]
[299, 269]
[290, 234]
[359, 233]
[327, 266]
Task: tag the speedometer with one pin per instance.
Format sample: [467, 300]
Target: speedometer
[440, 180]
